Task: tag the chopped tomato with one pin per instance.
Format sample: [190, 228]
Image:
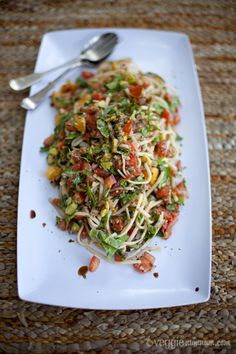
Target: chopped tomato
[166, 115]
[163, 193]
[91, 121]
[69, 182]
[167, 227]
[97, 96]
[69, 125]
[168, 97]
[168, 215]
[133, 160]
[137, 172]
[170, 219]
[61, 145]
[109, 181]
[161, 149]
[131, 145]
[181, 190]
[128, 127]
[55, 202]
[62, 224]
[146, 264]
[118, 258]
[76, 156]
[79, 197]
[93, 264]
[87, 74]
[135, 90]
[87, 166]
[48, 141]
[130, 231]
[117, 223]
[84, 234]
[179, 165]
[100, 172]
[149, 257]
[176, 119]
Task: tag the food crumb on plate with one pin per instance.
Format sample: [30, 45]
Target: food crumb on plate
[156, 275]
[32, 214]
[82, 271]
[44, 224]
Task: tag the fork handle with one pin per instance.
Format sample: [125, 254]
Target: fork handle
[26, 81]
[32, 102]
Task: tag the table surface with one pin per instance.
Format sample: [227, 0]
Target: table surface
[27, 327]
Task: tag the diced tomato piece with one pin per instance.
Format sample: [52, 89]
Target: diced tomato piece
[84, 234]
[117, 223]
[143, 267]
[109, 181]
[55, 202]
[97, 96]
[163, 192]
[167, 213]
[79, 197]
[166, 115]
[179, 165]
[61, 145]
[100, 172]
[61, 135]
[76, 156]
[93, 264]
[135, 90]
[133, 160]
[168, 97]
[167, 227]
[87, 166]
[69, 182]
[69, 125]
[87, 74]
[132, 146]
[161, 149]
[137, 172]
[176, 119]
[130, 231]
[149, 257]
[118, 258]
[128, 127]
[91, 121]
[62, 224]
[48, 141]
[181, 190]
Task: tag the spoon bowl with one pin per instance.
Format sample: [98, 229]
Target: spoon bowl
[97, 49]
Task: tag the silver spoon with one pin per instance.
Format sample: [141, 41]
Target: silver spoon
[97, 49]
[23, 82]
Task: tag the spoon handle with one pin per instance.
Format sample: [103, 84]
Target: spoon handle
[32, 102]
[26, 81]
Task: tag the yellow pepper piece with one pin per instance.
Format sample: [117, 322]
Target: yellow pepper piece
[80, 124]
[83, 99]
[155, 173]
[53, 172]
[147, 159]
[58, 119]
[113, 66]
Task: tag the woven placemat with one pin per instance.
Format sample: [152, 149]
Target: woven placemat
[207, 327]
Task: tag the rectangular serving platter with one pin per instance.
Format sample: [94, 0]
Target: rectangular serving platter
[47, 264]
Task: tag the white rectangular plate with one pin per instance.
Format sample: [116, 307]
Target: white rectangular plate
[48, 263]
